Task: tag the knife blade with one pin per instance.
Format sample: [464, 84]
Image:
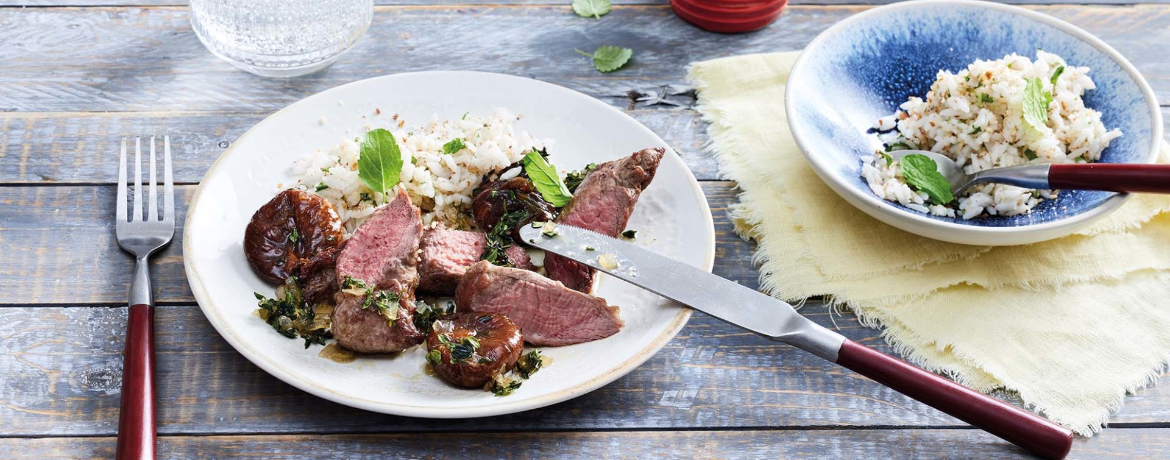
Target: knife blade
[775, 319]
[688, 285]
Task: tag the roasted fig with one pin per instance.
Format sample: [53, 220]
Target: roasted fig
[468, 349]
[287, 233]
[509, 193]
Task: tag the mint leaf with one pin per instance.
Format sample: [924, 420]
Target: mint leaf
[1035, 108]
[922, 172]
[380, 161]
[609, 58]
[544, 176]
[454, 146]
[591, 8]
[985, 99]
[1055, 75]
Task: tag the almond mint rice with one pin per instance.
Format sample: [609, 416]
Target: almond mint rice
[1006, 112]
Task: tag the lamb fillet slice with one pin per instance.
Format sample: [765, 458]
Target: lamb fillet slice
[548, 313]
[445, 254]
[603, 203]
[382, 254]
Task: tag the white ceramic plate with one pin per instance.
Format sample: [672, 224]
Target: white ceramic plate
[672, 218]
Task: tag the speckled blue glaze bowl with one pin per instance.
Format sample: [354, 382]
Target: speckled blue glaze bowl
[862, 68]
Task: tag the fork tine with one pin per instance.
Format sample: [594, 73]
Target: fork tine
[137, 179]
[152, 199]
[121, 214]
[169, 187]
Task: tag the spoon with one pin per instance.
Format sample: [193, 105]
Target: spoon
[1112, 177]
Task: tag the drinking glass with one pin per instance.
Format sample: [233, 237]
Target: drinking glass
[280, 38]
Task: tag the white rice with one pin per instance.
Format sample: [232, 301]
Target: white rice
[439, 184]
[952, 121]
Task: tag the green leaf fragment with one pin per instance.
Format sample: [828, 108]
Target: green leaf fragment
[592, 8]
[546, 180]
[380, 160]
[1035, 105]
[1056, 74]
[921, 172]
[454, 146]
[609, 58]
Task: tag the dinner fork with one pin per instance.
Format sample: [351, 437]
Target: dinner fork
[141, 237]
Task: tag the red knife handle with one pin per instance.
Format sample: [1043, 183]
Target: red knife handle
[1114, 177]
[1011, 423]
[136, 433]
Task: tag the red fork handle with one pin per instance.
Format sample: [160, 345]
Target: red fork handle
[1113, 177]
[136, 434]
[1013, 424]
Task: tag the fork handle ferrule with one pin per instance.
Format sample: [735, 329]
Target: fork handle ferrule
[136, 428]
[140, 293]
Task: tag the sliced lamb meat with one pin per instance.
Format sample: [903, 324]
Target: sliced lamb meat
[445, 254]
[367, 331]
[603, 203]
[548, 313]
[381, 255]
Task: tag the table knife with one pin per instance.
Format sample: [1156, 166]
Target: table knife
[777, 320]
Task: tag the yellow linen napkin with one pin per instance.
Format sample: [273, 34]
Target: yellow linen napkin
[1071, 324]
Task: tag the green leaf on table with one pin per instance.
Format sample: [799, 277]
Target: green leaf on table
[591, 8]
[921, 172]
[454, 146]
[380, 160]
[1036, 102]
[544, 176]
[609, 58]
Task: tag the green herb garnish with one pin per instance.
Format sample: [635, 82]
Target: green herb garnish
[349, 282]
[294, 236]
[592, 8]
[385, 303]
[291, 316]
[575, 178]
[499, 238]
[462, 350]
[985, 99]
[1035, 107]
[1028, 153]
[921, 172]
[1056, 74]
[889, 159]
[630, 234]
[977, 130]
[454, 146]
[590, 248]
[434, 357]
[503, 386]
[529, 363]
[546, 180]
[425, 314]
[321, 187]
[897, 146]
[380, 160]
[609, 58]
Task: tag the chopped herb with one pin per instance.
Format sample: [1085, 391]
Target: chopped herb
[897, 146]
[499, 238]
[349, 282]
[434, 357]
[485, 360]
[292, 317]
[609, 58]
[977, 130]
[1030, 154]
[590, 248]
[546, 180]
[529, 363]
[889, 159]
[294, 236]
[967, 77]
[379, 161]
[591, 8]
[630, 234]
[985, 99]
[321, 187]
[1056, 74]
[549, 229]
[454, 146]
[464, 115]
[365, 197]
[425, 314]
[921, 172]
[574, 179]
[462, 350]
[385, 303]
[503, 386]
[1035, 107]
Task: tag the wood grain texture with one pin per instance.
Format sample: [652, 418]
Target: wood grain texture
[803, 444]
[148, 59]
[59, 247]
[619, 3]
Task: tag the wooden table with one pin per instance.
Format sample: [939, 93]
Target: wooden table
[73, 80]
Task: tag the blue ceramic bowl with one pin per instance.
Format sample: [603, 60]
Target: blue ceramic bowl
[862, 68]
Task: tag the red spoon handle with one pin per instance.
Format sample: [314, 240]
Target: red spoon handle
[1114, 177]
[136, 418]
[1013, 424]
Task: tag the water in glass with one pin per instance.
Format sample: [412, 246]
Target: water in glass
[280, 38]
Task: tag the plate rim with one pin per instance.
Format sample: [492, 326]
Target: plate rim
[961, 233]
[276, 370]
